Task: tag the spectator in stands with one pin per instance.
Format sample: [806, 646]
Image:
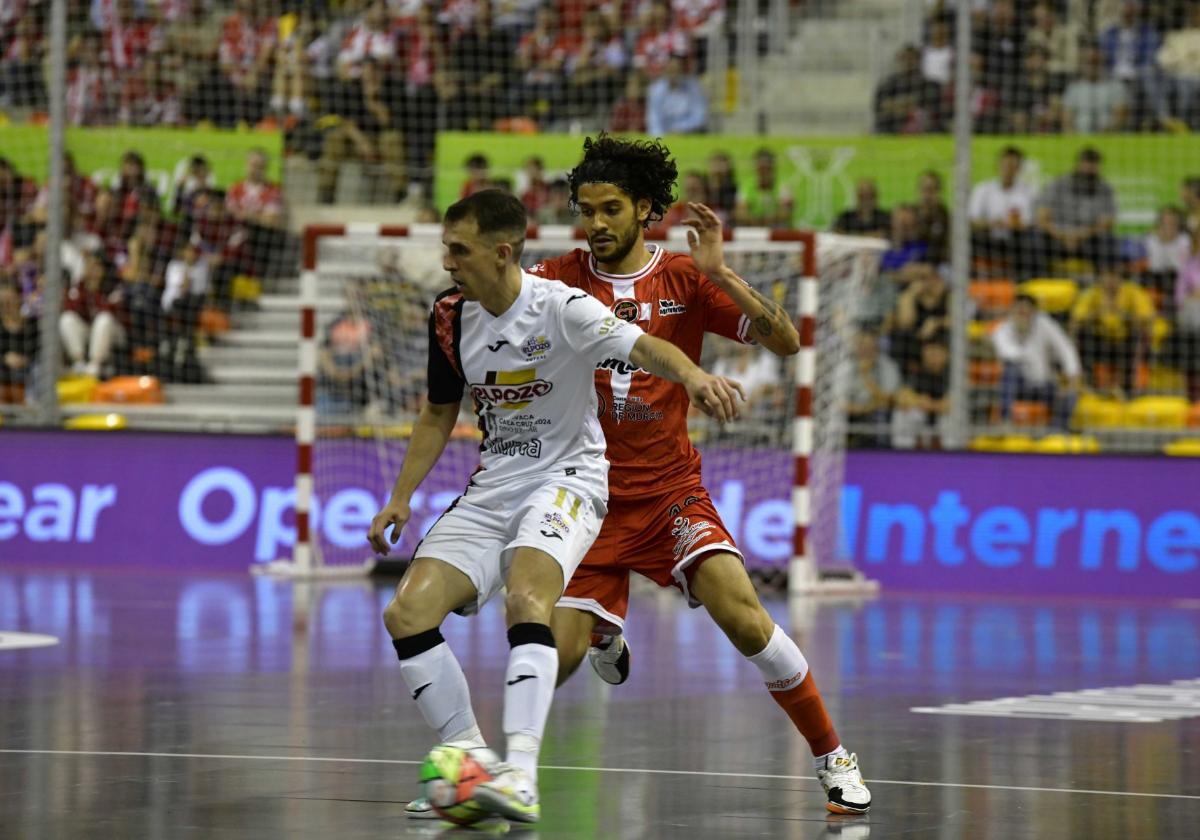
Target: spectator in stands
[220, 241]
[478, 175]
[17, 195]
[764, 200]
[906, 102]
[343, 364]
[937, 56]
[198, 178]
[1001, 213]
[1095, 102]
[1130, 48]
[184, 293]
[290, 86]
[758, 372]
[557, 209]
[628, 114]
[596, 68]
[90, 81]
[1110, 323]
[21, 66]
[1001, 43]
[94, 318]
[880, 294]
[18, 344]
[1179, 60]
[150, 98]
[1059, 40]
[922, 314]
[933, 216]
[866, 217]
[694, 190]
[247, 46]
[1076, 214]
[676, 102]
[1028, 343]
[1189, 197]
[906, 243]
[141, 286]
[481, 73]
[541, 60]
[79, 202]
[920, 418]
[721, 185]
[1032, 101]
[1168, 249]
[871, 388]
[256, 203]
[659, 40]
[535, 191]
[1185, 337]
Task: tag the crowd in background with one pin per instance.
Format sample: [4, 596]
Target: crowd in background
[1052, 66]
[144, 274]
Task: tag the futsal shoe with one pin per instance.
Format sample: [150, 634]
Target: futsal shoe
[610, 659]
[420, 809]
[510, 794]
[844, 785]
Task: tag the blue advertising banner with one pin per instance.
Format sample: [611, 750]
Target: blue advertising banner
[970, 522]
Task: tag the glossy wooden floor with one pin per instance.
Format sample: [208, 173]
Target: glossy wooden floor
[232, 707]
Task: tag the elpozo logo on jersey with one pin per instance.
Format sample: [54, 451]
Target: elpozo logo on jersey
[535, 347]
[513, 389]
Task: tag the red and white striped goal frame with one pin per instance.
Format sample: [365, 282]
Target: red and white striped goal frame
[805, 368]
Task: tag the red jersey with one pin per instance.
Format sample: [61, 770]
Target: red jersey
[644, 417]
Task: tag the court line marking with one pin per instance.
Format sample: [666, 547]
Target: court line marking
[648, 771]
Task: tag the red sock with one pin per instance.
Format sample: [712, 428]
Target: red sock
[804, 706]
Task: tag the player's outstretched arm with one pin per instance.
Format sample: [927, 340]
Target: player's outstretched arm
[769, 322]
[429, 436]
[716, 396]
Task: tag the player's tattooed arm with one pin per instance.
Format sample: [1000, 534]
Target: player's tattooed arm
[769, 322]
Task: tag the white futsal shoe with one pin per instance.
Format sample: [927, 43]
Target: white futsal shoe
[511, 794]
[610, 659]
[844, 785]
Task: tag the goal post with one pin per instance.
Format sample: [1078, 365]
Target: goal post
[365, 295]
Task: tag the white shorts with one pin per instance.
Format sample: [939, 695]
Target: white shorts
[479, 532]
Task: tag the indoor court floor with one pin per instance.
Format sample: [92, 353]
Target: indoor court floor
[238, 707]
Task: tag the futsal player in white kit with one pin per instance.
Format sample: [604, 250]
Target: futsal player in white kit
[527, 350]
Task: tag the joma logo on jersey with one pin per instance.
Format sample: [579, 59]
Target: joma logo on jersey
[513, 389]
[618, 366]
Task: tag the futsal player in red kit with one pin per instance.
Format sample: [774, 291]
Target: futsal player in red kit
[661, 522]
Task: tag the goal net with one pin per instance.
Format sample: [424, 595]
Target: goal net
[775, 474]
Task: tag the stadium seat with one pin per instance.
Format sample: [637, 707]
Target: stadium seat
[980, 330]
[1053, 294]
[1026, 413]
[1159, 331]
[1157, 413]
[993, 296]
[214, 322]
[1162, 379]
[1003, 443]
[985, 371]
[1194, 416]
[1093, 411]
[1068, 445]
[76, 389]
[1183, 448]
[146, 390]
[110, 422]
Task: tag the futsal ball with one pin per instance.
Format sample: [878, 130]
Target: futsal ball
[448, 779]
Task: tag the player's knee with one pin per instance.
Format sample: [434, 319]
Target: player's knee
[401, 621]
[523, 606]
[742, 617]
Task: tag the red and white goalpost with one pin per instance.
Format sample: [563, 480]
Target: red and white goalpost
[364, 293]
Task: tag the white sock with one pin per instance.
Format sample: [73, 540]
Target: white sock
[528, 691]
[440, 688]
[781, 663]
[819, 761]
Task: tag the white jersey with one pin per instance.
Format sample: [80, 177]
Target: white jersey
[531, 372]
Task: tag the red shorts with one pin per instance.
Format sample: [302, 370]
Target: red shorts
[660, 537]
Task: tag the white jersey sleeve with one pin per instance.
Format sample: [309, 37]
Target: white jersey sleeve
[592, 331]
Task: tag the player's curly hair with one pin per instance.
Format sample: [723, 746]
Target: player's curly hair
[639, 168]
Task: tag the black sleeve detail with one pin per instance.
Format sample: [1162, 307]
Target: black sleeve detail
[574, 297]
[443, 383]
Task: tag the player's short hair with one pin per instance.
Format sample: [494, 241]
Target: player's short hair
[1027, 298]
[1090, 154]
[639, 168]
[1012, 151]
[498, 214]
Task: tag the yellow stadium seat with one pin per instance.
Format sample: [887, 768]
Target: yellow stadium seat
[1068, 445]
[1157, 413]
[1184, 448]
[1030, 413]
[1053, 294]
[1161, 379]
[1159, 330]
[97, 422]
[76, 389]
[1099, 412]
[980, 330]
[1003, 443]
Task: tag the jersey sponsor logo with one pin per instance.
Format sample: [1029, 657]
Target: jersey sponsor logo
[626, 309]
[535, 348]
[619, 366]
[513, 389]
[528, 448]
[670, 307]
[634, 409]
[787, 682]
[497, 345]
[687, 534]
[556, 522]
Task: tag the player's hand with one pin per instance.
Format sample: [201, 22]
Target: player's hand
[716, 396]
[705, 239]
[396, 515]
